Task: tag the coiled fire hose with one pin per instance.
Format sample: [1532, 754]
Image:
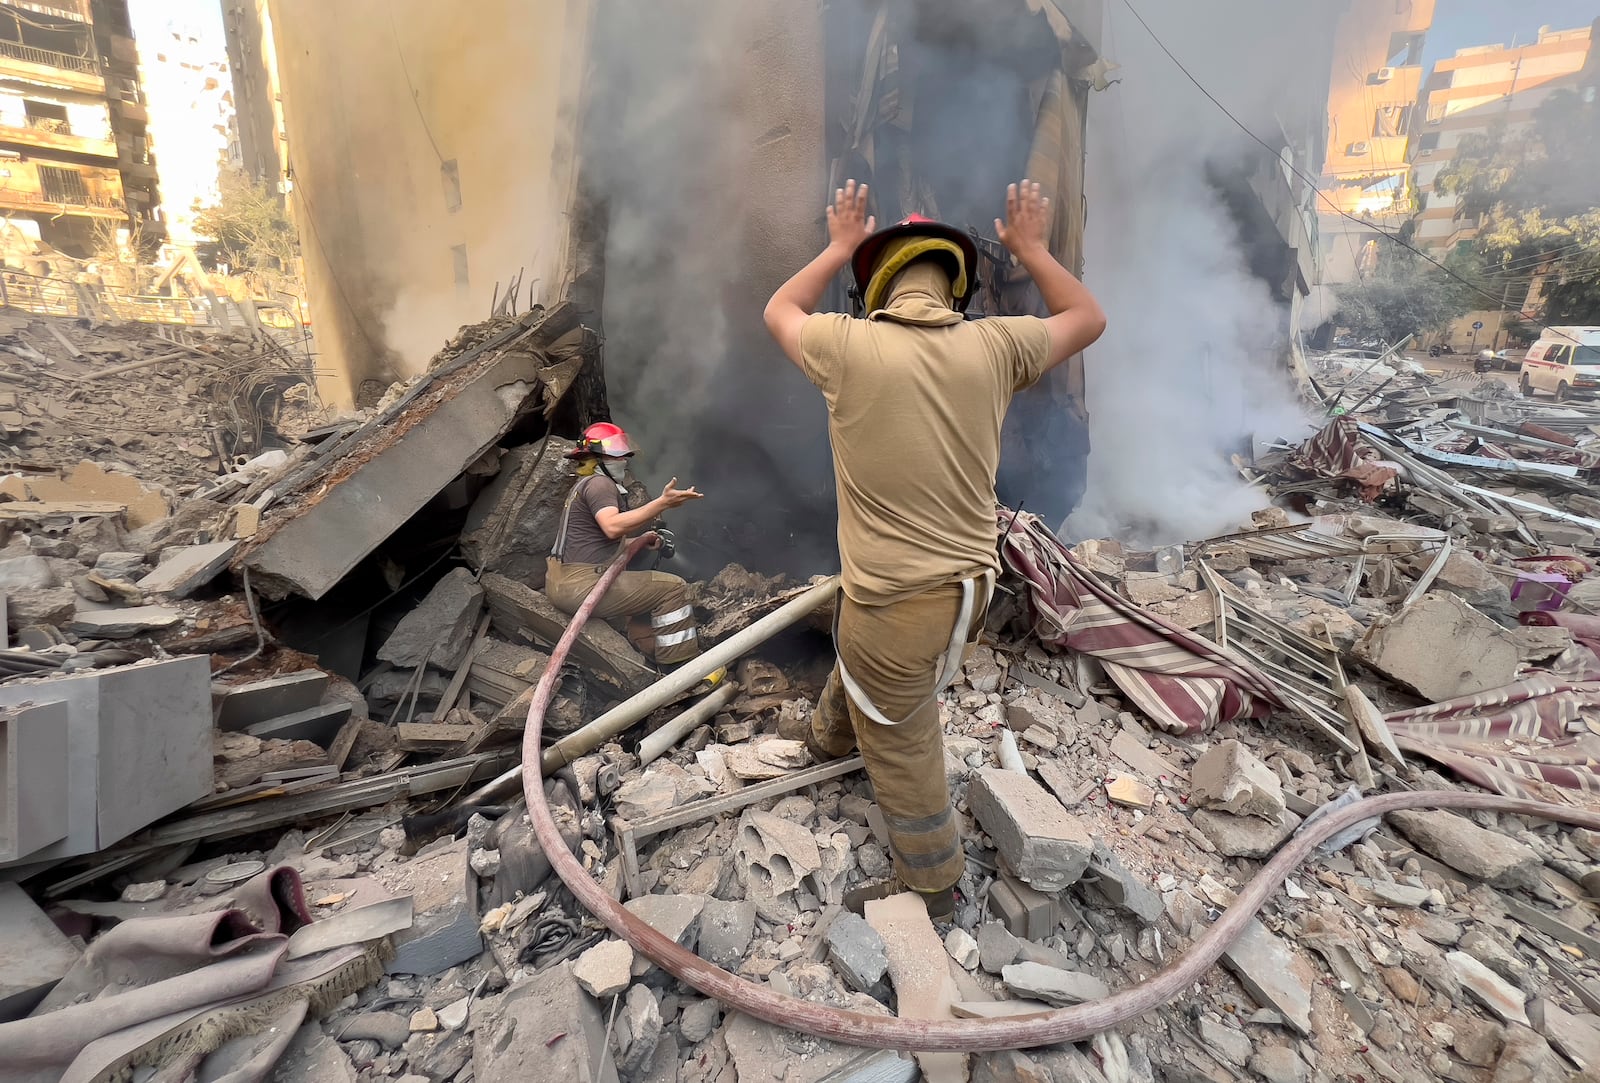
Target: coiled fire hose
[957, 1035]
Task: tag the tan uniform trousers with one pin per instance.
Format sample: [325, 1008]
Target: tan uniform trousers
[661, 623]
[893, 652]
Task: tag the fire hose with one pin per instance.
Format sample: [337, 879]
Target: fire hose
[959, 1035]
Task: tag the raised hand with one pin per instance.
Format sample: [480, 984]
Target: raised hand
[848, 221]
[674, 497]
[1027, 223]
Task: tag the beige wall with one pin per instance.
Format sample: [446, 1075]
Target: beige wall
[378, 96]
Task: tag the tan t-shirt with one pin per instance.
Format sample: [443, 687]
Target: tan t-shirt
[914, 415]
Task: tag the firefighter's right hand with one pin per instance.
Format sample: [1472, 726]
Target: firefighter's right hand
[1027, 224]
[848, 221]
[674, 497]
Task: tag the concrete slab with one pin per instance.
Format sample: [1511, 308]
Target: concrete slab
[544, 1028]
[184, 571]
[239, 706]
[33, 779]
[34, 954]
[138, 746]
[920, 972]
[444, 892]
[319, 725]
[123, 623]
[318, 541]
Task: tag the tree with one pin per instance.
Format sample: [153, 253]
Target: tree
[1532, 189]
[248, 225]
[1406, 295]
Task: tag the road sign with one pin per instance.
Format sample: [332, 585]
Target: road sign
[1477, 325]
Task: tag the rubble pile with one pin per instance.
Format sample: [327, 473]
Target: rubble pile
[169, 406]
[1413, 612]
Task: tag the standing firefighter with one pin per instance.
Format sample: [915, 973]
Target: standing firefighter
[916, 396]
[595, 525]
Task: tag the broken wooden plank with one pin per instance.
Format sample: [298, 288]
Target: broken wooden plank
[431, 736]
[452, 691]
[1046, 685]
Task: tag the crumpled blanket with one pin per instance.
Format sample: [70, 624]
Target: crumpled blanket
[1338, 452]
[1184, 682]
[1527, 739]
[186, 993]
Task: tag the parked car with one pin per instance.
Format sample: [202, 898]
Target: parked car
[1502, 360]
[1565, 362]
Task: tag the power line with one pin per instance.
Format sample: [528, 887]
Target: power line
[1498, 301]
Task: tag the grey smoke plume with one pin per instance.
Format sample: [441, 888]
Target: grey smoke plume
[1194, 360]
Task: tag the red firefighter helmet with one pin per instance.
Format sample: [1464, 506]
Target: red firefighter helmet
[879, 258]
[602, 438]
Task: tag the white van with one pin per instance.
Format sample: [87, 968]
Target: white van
[1564, 362]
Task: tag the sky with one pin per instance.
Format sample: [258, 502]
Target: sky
[1460, 23]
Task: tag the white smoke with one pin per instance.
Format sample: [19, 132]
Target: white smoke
[1195, 357]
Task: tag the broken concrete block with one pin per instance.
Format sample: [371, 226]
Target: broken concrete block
[856, 951]
[673, 916]
[512, 525]
[1027, 913]
[1370, 723]
[696, 1021]
[638, 1029]
[1119, 887]
[119, 565]
[650, 794]
[605, 969]
[34, 954]
[440, 628]
[997, 948]
[1465, 576]
[1148, 588]
[1042, 843]
[543, 1028]
[18, 574]
[1273, 975]
[186, 569]
[962, 948]
[1052, 984]
[319, 725]
[1129, 792]
[1244, 836]
[123, 623]
[53, 606]
[1230, 778]
[444, 894]
[1278, 1064]
[726, 929]
[1232, 1044]
[1487, 855]
[1441, 648]
[240, 706]
[33, 779]
[138, 745]
[776, 852]
[388, 1029]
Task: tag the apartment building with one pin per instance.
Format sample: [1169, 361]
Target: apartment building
[1484, 89]
[1373, 97]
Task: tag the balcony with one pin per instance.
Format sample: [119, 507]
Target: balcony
[50, 68]
[53, 134]
[54, 190]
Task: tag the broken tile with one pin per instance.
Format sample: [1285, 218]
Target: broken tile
[1274, 976]
[123, 623]
[1503, 999]
[1053, 985]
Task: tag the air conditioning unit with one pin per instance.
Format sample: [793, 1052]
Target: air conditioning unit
[1384, 75]
[1355, 150]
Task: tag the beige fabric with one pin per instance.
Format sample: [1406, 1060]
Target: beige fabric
[656, 605]
[916, 398]
[893, 652]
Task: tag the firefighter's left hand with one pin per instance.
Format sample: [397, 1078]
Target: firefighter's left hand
[848, 221]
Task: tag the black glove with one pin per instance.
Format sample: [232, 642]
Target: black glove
[669, 543]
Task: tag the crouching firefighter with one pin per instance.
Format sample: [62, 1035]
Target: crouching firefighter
[916, 397]
[595, 526]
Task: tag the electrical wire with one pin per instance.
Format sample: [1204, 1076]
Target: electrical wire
[1499, 302]
[416, 100]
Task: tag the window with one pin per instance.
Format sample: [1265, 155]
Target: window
[46, 116]
[1428, 141]
[62, 185]
[459, 253]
